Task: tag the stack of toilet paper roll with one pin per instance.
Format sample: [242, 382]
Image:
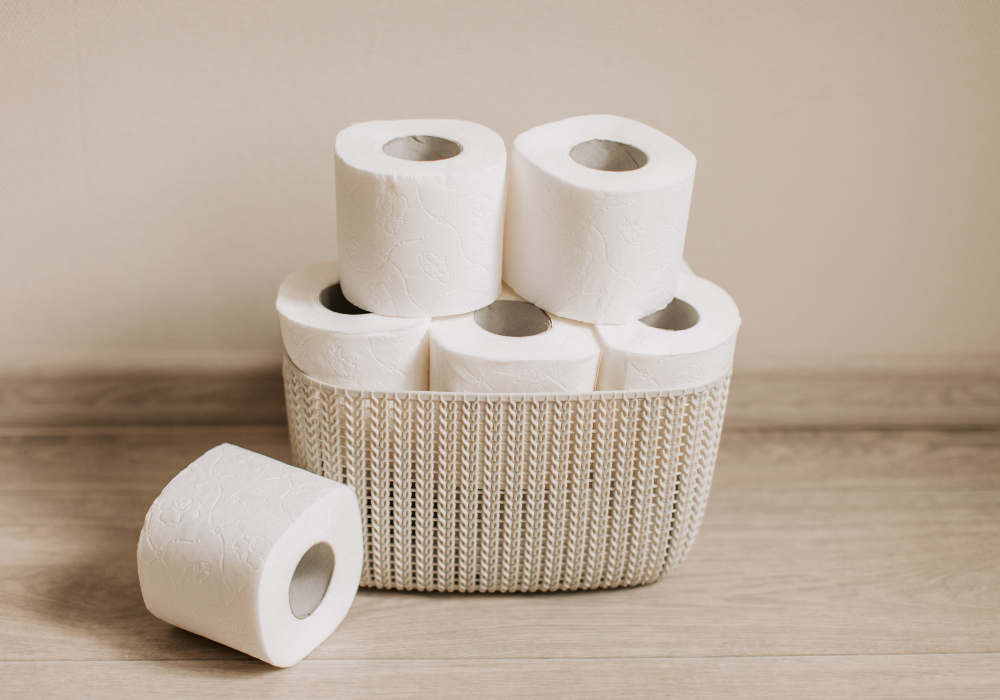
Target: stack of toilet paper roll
[561, 274]
[587, 230]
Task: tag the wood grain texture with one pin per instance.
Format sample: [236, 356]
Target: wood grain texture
[841, 398]
[910, 677]
[143, 398]
[858, 398]
[830, 564]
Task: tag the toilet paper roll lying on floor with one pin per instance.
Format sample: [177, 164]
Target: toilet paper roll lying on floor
[647, 354]
[333, 341]
[420, 207]
[596, 217]
[512, 346]
[252, 553]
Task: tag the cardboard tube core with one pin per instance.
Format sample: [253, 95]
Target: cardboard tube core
[612, 156]
[333, 299]
[424, 148]
[311, 580]
[678, 315]
[514, 319]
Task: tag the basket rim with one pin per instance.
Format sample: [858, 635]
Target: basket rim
[497, 397]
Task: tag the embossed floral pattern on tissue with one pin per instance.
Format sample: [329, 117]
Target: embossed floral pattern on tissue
[363, 351]
[618, 236]
[205, 549]
[420, 238]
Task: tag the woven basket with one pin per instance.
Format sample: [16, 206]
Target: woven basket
[514, 492]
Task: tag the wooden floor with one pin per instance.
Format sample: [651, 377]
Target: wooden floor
[830, 564]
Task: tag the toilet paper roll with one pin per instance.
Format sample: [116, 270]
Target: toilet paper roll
[420, 207]
[512, 346]
[252, 553]
[596, 217]
[333, 341]
[688, 343]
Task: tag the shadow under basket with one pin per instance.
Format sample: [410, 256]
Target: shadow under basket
[514, 492]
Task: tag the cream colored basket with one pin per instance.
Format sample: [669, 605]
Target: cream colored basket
[514, 492]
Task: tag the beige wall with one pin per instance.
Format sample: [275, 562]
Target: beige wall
[164, 164]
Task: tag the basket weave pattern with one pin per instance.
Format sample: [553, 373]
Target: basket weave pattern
[512, 492]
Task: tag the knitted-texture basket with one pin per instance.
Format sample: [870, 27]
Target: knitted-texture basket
[514, 492]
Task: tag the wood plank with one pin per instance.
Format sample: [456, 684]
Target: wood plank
[847, 397]
[807, 560]
[148, 457]
[913, 677]
[770, 575]
[860, 460]
[864, 398]
[143, 398]
[114, 457]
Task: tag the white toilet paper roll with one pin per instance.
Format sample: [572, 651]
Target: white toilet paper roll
[596, 218]
[512, 346]
[252, 553]
[420, 207]
[688, 343]
[333, 341]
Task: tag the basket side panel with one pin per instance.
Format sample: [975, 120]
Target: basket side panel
[463, 493]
